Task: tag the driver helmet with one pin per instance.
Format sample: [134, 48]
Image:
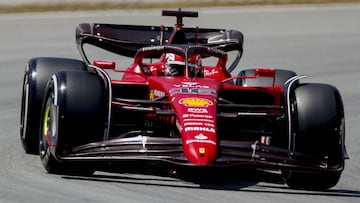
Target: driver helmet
[174, 65]
[196, 67]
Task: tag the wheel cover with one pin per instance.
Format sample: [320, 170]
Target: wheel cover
[46, 121]
[49, 126]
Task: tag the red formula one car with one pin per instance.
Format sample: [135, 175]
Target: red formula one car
[178, 105]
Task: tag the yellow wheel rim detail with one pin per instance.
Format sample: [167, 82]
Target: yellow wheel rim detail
[46, 117]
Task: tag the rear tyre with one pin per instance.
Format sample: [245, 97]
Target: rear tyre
[74, 113]
[281, 76]
[320, 132]
[37, 74]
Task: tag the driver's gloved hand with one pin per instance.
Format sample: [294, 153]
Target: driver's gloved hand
[174, 72]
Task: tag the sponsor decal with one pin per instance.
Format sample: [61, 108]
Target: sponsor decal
[190, 84]
[197, 116]
[201, 138]
[197, 110]
[195, 102]
[210, 73]
[187, 90]
[156, 93]
[209, 125]
[198, 120]
[159, 93]
[193, 123]
[199, 129]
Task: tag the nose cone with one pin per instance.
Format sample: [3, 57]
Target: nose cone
[200, 150]
[195, 105]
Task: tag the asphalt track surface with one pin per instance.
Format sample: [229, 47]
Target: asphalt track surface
[322, 42]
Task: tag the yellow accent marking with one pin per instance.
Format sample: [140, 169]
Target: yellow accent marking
[201, 151]
[151, 96]
[46, 117]
[196, 102]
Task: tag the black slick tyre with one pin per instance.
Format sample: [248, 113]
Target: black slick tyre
[320, 132]
[37, 75]
[73, 113]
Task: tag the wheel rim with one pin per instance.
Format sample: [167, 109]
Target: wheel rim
[48, 127]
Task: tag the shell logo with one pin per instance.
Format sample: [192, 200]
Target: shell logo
[195, 102]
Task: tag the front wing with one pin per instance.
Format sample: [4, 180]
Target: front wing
[232, 154]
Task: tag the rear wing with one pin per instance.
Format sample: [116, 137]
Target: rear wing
[126, 40]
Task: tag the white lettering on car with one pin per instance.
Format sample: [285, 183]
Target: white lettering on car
[210, 73]
[197, 116]
[197, 110]
[187, 90]
[199, 129]
[193, 123]
[159, 93]
[201, 138]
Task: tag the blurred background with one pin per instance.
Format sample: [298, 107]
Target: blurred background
[7, 6]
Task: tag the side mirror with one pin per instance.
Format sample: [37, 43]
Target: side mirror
[108, 65]
[264, 72]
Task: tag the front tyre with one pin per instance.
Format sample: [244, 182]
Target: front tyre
[47, 145]
[28, 135]
[319, 133]
[311, 181]
[74, 113]
[37, 74]
[48, 134]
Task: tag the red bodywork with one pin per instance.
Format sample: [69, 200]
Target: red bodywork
[202, 118]
[193, 100]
